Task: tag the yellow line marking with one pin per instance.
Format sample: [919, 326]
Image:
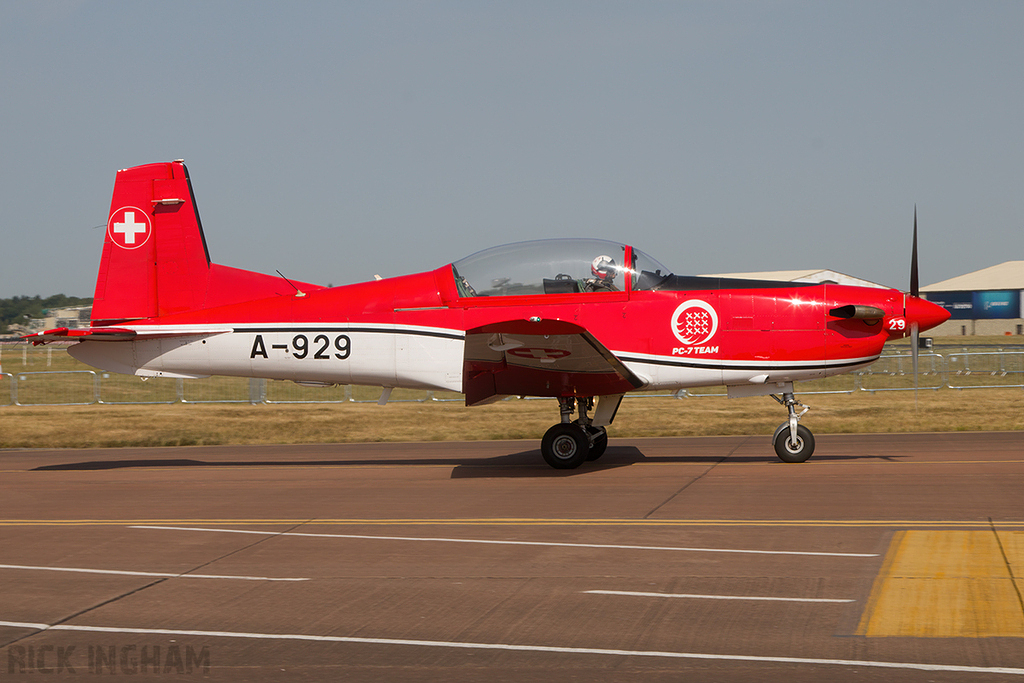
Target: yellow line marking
[505, 521]
[948, 584]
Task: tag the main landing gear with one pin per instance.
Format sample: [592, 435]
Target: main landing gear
[793, 442]
[569, 443]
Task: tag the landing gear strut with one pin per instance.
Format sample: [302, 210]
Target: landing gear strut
[569, 443]
[793, 442]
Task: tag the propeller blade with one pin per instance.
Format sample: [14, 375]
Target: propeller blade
[915, 292]
[915, 289]
[915, 333]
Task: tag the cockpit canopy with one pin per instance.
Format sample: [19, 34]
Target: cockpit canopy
[558, 266]
[568, 266]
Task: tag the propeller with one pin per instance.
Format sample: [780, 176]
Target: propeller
[915, 291]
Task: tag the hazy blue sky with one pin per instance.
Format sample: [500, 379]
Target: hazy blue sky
[337, 140]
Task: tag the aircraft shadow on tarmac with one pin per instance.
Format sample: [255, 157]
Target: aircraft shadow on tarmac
[522, 464]
[529, 463]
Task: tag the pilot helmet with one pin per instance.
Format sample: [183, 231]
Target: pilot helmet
[603, 267]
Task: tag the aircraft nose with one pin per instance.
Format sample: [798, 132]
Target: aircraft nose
[926, 314]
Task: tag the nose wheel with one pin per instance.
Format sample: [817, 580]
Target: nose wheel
[569, 444]
[793, 442]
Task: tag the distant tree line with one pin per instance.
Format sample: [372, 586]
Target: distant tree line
[16, 309]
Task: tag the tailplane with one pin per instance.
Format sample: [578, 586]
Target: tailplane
[155, 260]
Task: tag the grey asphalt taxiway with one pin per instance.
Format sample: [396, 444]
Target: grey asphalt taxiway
[896, 557]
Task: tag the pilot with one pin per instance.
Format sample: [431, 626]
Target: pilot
[604, 270]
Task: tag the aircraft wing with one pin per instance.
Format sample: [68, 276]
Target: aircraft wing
[540, 358]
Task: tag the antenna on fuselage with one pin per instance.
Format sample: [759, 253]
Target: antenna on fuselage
[298, 292]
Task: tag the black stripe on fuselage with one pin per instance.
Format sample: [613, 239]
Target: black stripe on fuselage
[768, 367]
[379, 330]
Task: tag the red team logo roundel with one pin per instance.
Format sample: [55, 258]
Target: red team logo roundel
[129, 227]
[694, 322]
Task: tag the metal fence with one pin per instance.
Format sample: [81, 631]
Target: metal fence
[969, 369]
[983, 370]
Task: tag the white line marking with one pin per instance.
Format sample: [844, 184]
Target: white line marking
[537, 543]
[519, 648]
[713, 597]
[26, 624]
[128, 573]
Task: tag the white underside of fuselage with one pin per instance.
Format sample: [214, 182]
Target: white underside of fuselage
[670, 372]
[402, 356]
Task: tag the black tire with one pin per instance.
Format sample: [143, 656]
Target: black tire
[798, 452]
[599, 443]
[565, 446]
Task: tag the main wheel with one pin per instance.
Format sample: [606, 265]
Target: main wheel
[793, 452]
[565, 446]
[599, 443]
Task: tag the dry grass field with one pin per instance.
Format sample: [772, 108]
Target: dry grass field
[174, 423]
[208, 424]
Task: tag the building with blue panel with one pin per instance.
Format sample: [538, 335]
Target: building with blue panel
[986, 302]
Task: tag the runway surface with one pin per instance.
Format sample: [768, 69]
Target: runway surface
[883, 558]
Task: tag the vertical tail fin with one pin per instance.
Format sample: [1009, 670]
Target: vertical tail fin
[155, 260]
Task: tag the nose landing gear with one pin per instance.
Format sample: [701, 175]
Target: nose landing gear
[793, 442]
[570, 443]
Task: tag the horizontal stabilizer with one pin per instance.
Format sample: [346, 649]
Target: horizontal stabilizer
[117, 334]
[67, 334]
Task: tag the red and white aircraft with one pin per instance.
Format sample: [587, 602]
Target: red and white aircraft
[583, 321]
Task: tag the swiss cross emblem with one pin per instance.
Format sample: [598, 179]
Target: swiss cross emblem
[543, 355]
[129, 227]
[694, 322]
